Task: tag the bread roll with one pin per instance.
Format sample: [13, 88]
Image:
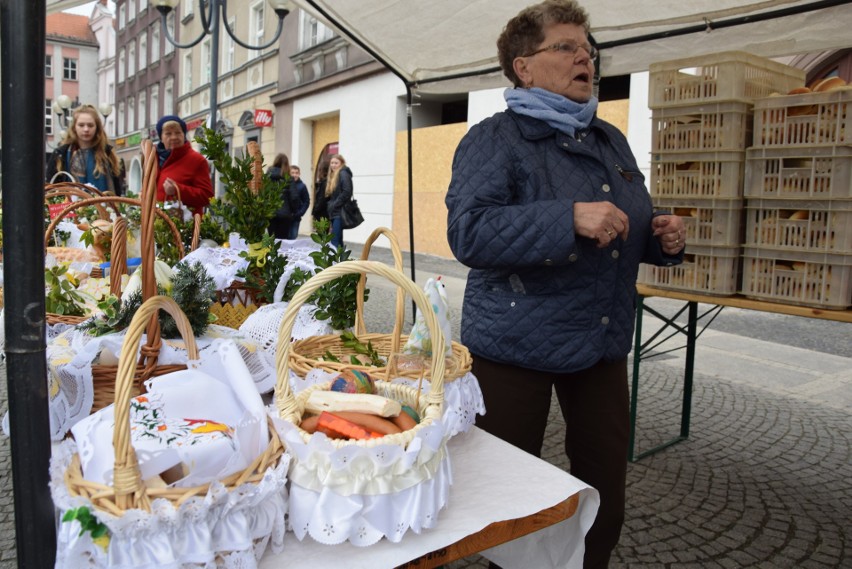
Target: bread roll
[829, 84]
[801, 214]
[799, 91]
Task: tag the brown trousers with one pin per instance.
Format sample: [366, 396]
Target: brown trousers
[595, 406]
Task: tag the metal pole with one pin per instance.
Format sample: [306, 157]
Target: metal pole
[22, 34]
[214, 66]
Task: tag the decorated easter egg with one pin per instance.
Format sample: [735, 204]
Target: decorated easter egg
[353, 381]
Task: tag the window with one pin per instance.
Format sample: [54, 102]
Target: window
[120, 120]
[313, 31]
[228, 49]
[122, 16]
[69, 68]
[155, 43]
[188, 8]
[205, 61]
[122, 61]
[170, 28]
[131, 58]
[154, 112]
[143, 50]
[169, 96]
[143, 110]
[131, 114]
[187, 73]
[48, 65]
[131, 10]
[143, 5]
[48, 116]
[256, 28]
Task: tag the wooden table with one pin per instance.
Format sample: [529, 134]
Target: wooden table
[692, 300]
[499, 494]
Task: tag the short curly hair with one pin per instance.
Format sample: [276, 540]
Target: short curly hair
[525, 32]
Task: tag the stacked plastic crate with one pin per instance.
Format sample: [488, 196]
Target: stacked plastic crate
[702, 115]
[798, 189]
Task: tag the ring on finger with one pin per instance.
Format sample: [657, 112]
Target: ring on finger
[610, 232]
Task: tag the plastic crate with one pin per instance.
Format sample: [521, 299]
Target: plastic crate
[804, 120]
[819, 280]
[821, 172]
[717, 77]
[710, 270]
[708, 221]
[700, 128]
[698, 175]
[800, 225]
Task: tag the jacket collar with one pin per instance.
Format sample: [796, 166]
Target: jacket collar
[534, 129]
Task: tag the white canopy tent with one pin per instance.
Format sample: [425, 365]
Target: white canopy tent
[448, 46]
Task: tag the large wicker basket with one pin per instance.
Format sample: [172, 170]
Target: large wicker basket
[307, 354]
[128, 491]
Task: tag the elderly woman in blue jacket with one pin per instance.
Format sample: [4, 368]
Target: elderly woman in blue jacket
[549, 210]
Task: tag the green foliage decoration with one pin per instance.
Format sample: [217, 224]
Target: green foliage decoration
[62, 296]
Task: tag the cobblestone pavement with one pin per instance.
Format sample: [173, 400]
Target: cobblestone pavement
[764, 480]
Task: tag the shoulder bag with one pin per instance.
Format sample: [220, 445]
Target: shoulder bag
[350, 215]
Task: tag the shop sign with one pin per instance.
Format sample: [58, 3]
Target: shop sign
[134, 139]
[262, 118]
[194, 124]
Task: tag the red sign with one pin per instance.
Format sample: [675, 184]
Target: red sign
[262, 118]
[194, 124]
[57, 208]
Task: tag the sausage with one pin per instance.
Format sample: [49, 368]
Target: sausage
[370, 422]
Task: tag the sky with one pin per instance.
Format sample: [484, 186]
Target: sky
[85, 9]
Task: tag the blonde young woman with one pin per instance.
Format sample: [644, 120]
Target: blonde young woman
[85, 153]
[338, 190]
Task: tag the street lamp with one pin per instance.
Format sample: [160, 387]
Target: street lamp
[210, 14]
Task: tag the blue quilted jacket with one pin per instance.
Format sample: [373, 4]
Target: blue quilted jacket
[538, 295]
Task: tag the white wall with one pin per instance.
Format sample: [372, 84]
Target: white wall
[639, 123]
[367, 111]
[483, 104]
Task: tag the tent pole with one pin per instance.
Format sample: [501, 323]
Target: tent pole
[408, 112]
[22, 52]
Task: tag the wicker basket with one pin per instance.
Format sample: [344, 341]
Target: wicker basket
[307, 354]
[128, 492]
[118, 250]
[291, 407]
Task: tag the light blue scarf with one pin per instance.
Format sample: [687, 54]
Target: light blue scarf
[561, 113]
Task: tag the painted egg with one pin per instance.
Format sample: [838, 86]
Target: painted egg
[353, 381]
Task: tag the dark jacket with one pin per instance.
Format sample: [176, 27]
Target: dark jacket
[57, 163]
[538, 296]
[320, 208]
[277, 175]
[300, 199]
[342, 193]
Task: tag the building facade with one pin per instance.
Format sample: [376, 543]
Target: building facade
[71, 61]
[146, 78]
[101, 22]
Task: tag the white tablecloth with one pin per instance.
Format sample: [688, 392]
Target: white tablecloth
[492, 481]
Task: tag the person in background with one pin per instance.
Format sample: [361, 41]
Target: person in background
[85, 153]
[320, 208]
[338, 191]
[279, 172]
[300, 200]
[184, 173]
[548, 208]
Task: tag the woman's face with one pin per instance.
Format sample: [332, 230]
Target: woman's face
[172, 136]
[335, 163]
[561, 72]
[85, 127]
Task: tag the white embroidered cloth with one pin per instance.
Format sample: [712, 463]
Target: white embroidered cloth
[222, 529]
[262, 325]
[71, 353]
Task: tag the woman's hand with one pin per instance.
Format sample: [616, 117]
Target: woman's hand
[170, 187]
[601, 221]
[670, 232]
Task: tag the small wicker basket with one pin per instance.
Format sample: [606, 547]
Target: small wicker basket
[429, 406]
[307, 354]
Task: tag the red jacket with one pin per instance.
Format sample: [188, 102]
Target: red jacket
[190, 171]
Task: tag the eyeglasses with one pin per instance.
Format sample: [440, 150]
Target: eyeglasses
[566, 48]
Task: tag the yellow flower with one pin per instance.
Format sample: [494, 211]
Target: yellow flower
[103, 541]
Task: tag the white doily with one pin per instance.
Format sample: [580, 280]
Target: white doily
[70, 356]
[262, 326]
[222, 529]
[221, 263]
[462, 397]
[360, 494]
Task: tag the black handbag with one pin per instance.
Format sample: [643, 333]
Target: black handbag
[350, 215]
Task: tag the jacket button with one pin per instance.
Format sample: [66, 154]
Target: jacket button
[513, 304]
[605, 187]
[605, 320]
[572, 257]
[615, 254]
[565, 144]
[548, 262]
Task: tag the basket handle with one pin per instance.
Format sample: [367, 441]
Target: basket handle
[130, 492]
[90, 190]
[285, 400]
[399, 315]
[65, 173]
[118, 256]
[196, 232]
